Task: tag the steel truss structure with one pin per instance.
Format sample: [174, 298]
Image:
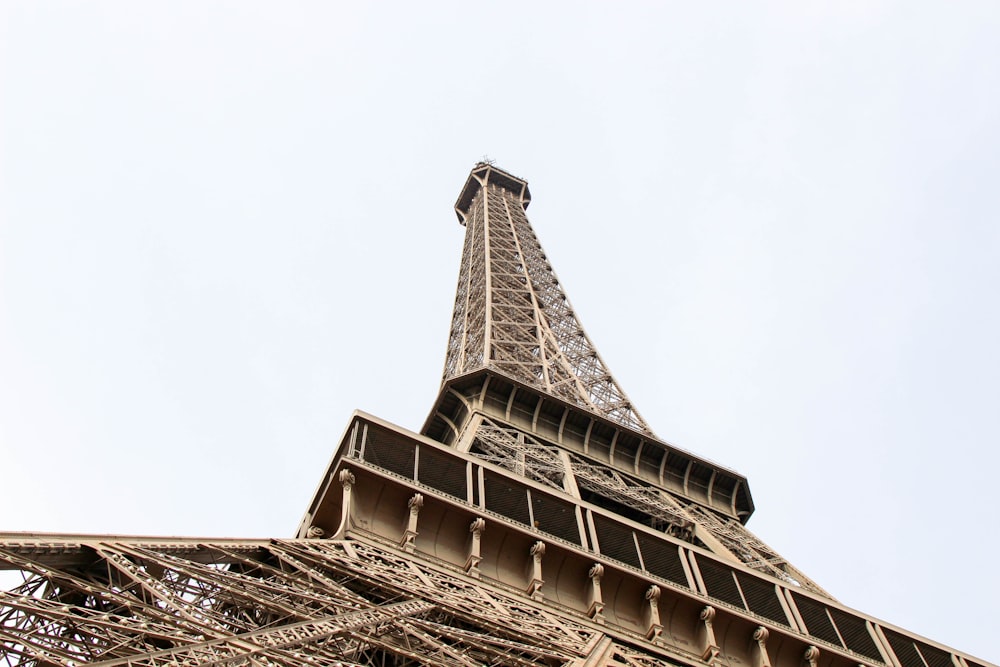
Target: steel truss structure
[535, 520]
[519, 452]
[269, 602]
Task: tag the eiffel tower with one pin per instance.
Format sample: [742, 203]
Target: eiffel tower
[534, 520]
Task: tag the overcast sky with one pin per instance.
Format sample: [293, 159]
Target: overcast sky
[225, 226]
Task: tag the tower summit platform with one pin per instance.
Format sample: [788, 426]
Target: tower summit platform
[484, 174]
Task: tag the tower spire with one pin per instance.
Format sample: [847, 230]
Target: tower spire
[511, 313]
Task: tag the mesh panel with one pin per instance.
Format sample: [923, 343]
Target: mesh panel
[662, 559]
[762, 597]
[698, 479]
[742, 498]
[442, 472]
[555, 517]
[476, 499]
[674, 470]
[818, 624]
[722, 491]
[506, 498]
[904, 649]
[650, 459]
[934, 656]
[391, 452]
[719, 582]
[616, 541]
[854, 630]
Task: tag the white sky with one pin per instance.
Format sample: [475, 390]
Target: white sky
[224, 226]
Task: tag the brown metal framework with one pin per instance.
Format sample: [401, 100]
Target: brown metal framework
[293, 602]
[535, 520]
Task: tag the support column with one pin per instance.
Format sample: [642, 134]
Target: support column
[594, 597]
[652, 613]
[811, 657]
[477, 528]
[758, 648]
[706, 635]
[410, 534]
[347, 479]
[536, 582]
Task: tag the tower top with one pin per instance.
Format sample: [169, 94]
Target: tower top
[518, 355]
[483, 174]
[512, 315]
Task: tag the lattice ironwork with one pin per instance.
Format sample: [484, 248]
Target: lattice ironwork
[512, 315]
[295, 602]
[519, 452]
